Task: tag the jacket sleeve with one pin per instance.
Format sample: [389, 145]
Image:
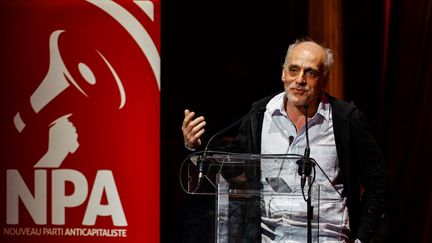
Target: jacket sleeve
[372, 174]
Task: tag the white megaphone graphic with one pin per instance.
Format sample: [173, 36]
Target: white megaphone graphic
[63, 138]
[55, 82]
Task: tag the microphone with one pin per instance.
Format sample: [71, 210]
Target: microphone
[200, 165]
[226, 129]
[276, 183]
[200, 162]
[290, 140]
[305, 168]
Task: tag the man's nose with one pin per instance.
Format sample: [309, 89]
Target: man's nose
[301, 78]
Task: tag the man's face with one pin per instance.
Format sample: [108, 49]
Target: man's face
[303, 74]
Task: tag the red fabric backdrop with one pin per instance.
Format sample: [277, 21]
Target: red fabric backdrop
[83, 76]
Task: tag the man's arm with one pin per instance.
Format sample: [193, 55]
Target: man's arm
[373, 177]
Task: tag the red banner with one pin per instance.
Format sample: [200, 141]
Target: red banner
[80, 88]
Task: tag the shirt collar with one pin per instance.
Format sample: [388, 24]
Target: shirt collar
[276, 106]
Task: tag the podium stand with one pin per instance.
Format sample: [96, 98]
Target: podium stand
[246, 205]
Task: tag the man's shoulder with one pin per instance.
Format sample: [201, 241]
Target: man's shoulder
[341, 107]
[261, 103]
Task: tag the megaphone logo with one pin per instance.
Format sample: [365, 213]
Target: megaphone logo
[63, 138]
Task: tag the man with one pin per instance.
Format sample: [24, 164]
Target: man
[340, 142]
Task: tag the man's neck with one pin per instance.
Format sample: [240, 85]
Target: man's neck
[296, 113]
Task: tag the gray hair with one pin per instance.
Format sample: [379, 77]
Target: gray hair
[329, 59]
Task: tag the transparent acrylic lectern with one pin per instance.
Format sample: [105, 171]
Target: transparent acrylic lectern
[248, 206]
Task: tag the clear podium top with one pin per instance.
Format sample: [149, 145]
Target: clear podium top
[242, 173]
[226, 157]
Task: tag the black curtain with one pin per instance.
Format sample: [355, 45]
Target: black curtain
[408, 124]
[388, 58]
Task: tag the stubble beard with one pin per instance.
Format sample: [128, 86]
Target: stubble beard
[298, 100]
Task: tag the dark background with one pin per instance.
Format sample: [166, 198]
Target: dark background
[219, 56]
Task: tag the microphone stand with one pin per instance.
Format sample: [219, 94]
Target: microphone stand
[309, 214]
[304, 170]
[307, 174]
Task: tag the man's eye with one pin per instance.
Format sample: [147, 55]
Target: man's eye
[294, 71]
[312, 74]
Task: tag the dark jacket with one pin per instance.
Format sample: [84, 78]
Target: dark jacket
[362, 165]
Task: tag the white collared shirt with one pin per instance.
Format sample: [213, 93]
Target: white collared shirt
[284, 216]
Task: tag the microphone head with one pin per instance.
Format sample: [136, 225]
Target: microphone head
[307, 152]
[290, 140]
